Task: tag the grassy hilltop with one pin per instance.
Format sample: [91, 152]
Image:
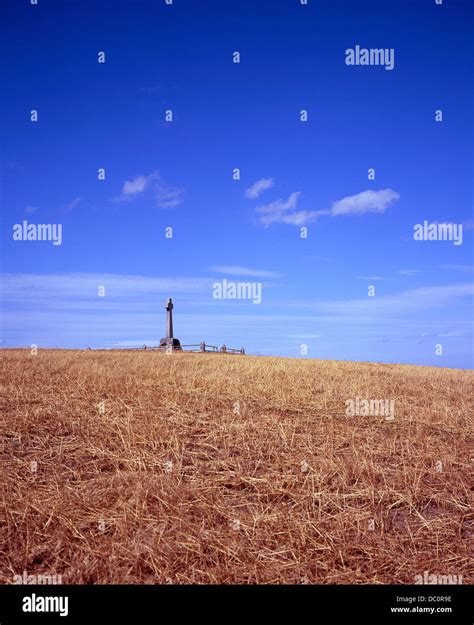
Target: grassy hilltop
[142, 467]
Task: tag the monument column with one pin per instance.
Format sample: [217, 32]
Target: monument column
[169, 319]
[169, 342]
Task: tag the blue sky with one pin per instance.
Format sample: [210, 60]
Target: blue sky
[179, 175]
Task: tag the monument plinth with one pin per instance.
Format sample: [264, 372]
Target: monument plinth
[169, 339]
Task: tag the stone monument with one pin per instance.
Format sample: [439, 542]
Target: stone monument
[169, 340]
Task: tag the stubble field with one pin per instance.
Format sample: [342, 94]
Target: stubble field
[142, 467]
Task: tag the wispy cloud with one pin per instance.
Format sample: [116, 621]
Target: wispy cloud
[138, 185]
[259, 187]
[413, 300]
[280, 206]
[423, 336]
[237, 270]
[284, 211]
[370, 278]
[309, 258]
[25, 286]
[31, 209]
[365, 202]
[458, 267]
[156, 88]
[410, 272]
[168, 197]
[65, 208]
[71, 205]
[165, 197]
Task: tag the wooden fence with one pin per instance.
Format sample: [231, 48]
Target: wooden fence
[204, 347]
[197, 347]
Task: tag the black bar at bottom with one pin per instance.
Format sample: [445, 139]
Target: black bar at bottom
[235, 605]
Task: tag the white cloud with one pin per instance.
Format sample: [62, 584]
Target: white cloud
[280, 206]
[237, 270]
[259, 187]
[365, 202]
[284, 211]
[132, 187]
[138, 184]
[165, 197]
[298, 218]
[370, 278]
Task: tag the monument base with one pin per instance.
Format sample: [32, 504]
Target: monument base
[167, 342]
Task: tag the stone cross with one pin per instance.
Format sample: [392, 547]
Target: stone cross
[169, 319]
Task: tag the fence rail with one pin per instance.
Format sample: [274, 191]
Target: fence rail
[193, 347]
[200, 347]
[204, 347]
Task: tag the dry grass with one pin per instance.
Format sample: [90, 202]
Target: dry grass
[236, 505]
